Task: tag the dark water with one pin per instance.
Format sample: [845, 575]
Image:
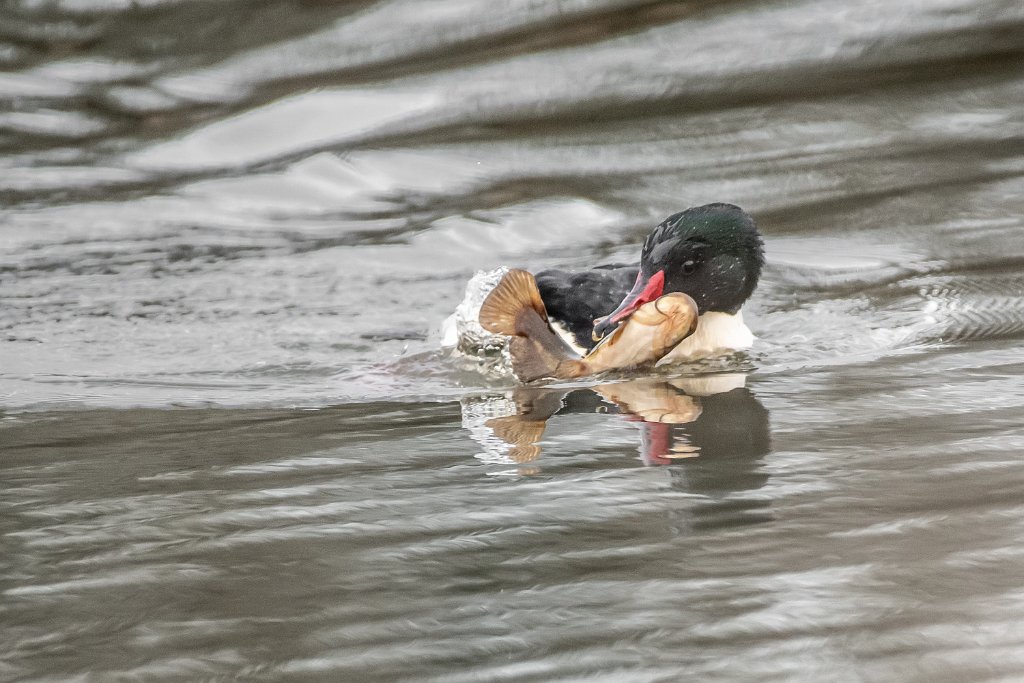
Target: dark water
[231, 446]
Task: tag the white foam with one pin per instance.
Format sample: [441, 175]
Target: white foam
[462, 328]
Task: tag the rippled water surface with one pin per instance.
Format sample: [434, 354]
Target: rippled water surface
[232, 446]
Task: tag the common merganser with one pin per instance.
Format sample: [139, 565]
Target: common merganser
[713, 253]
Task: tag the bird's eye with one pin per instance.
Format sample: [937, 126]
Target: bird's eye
[689, 267]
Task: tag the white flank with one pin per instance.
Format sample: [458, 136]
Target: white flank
[567, 337]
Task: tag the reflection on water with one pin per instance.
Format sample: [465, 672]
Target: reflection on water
[690, 421]
[711, 430]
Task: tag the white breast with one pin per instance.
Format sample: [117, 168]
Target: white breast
[717, 334]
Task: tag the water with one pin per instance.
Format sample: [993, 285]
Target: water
[232, 446]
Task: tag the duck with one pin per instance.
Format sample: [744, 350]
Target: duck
[712, 253]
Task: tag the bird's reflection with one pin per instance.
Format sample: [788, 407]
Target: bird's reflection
[713, 426]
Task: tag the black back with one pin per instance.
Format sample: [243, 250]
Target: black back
[575, 299]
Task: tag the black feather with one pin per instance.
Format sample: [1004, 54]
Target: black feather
[576, 299]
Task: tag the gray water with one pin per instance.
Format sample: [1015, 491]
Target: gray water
[232, 447]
